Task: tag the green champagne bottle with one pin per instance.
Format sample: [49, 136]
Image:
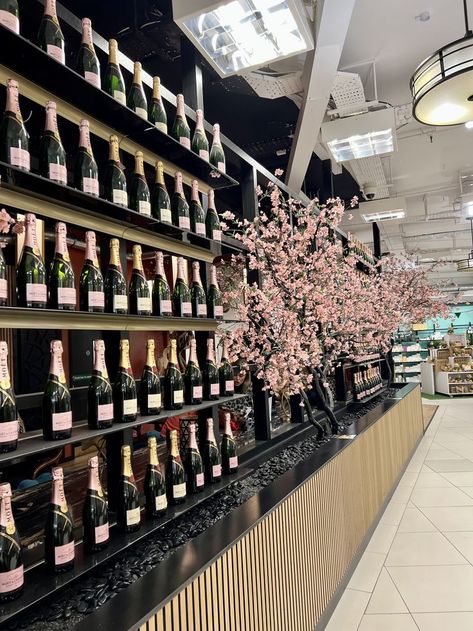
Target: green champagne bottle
[210, 380]
[197, 215]
[160, 202]
[14, 140]
[125, 399]
[138, 293]
[9, 424]
[217, 157]
[212, 222]
[10, 15]
[52, 157]
[11, 557]
[31, 285]
[115, 180]
[62, 290]
[57, 409]
[155, 483]
[228, 447]
[91, 292]
[180, 129]
[150, 384]
[200, 144]
[114, 83]
[175, 473]
[3, 281]
[225, 371]
[59, 530]
[136, 97]
[95, 512]
[140, 198]
[157, 113]
[214, 296]
[162, 303]
[116, 299]
[181, 298]
[86, 175]
[87, 61]
[198, 297]
[212, 459]
[128, 498]
[50, 37]
[193, 464]
[179, 205]
[100, 398]
[193, 378]
[173, 385]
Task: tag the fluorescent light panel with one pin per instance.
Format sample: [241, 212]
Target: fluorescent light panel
[362, 146]
[384, 216]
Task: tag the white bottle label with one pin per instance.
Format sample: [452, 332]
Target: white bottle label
[36, 293]
[93, 78]
[200, 228]
[96, 299]
[202, 310]
[120, 197]
[130, 406]
[166, 307]
[166, 215]
[161, 502]
[10, 21]
[217, 235]
[58, 172]
[3, 288]
[197, 392]
[204, 154]
[154, 401]
[64, 554]
[133, 516]
[221, 166]
[179, 490]
[178, 396]
[62, 421]
[229, 385]
[218, 310]
[185, 142]
[199, 479]
[9, 432]
[66, 296]
[57, 53]
[11, 580]
[119, 96]
[105, 412]
[187, 308]
[90, 185]
[144, 304]
[120, 302]
[20, 158]
[162, 127]
[214, 388]
[101, 533]
[142, 113]
[144, 208]
[233, 462]
[184, 223]
[217, 470]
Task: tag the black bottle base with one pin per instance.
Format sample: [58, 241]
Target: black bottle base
[7, 447]
[175, 502]
[150, 411]
[196, 490]
[101, 425]
[129, 529]
[90, 548]
[130, 418]
[9, 596]
[229, 471]
[61, 569]
[57, 435]
[33, 305]
[155, 514]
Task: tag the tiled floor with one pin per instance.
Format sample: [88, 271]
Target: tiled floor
[417, 571]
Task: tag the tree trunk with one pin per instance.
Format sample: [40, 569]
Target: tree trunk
[310, 415]
[325, 406]
[388, 360]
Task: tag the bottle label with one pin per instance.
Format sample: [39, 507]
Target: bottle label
[120, 302]
[64, 554]
[200, 228]
[96, 299]
[58, 172]
[199, 479]
[166, 307]
[119, 96]
[162, 127]
[11, 580]
[218, 310]
[187, 308]
[3, 288]
[204, 154]
[161, 502]
[120, 197]
[105, 412]
[221, 166]
[178, 396]
[10, 21]
[20, 158]
[184, 223]
[62, 421]
[216, 470]
[229, 385]
[36, 293]
[144, 304]
[185, 142]
[66, 296]
[133, 516]
[93, 78]
[154, 401]
[57, 53]
[197, 392]
[101, 533]
[233, 462]
[9, 431]
[166, 215]
[144, 208]
[202, 310]
[142, 113]
[217, 235]
[214, 388]
[130, 406]
[179, 490]
[90, 185]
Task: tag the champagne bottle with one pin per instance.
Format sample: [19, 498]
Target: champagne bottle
[139, 294]
[157, 113]
[3, 281]
[10, 15]
[197, 215]
[115, 180]
[181, 297]
[180, 129]
[116, 299]
[136, 96]
[175, 473]
[179, 205]
[212, 459]
[95, 513]
[100, 399]
[228, 448]
[87, 61]
[212, 222]
[125, 402]
[59, 530]
[193, 378]
[211, 381]
[198, 297]
[150, 384]
[200, 144]
[160, 202]
[91, 293]
[140, 198]
[155, 484]
[217, 157]
[11, 558]
[50, 37]
[173, 384]
[227, 382]
[9, 425]
[14, 139]
[52, 157]
[86, 175]
[31, 274]
[57, 410]
[113, 80]
[162, 303]
[62, 291]
[214, 296]
[128, 499]
[193, 464]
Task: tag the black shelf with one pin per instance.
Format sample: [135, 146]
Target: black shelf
[37, 66]
[370, 361]
[32, 443]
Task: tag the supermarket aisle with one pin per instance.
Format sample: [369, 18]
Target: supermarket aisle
[417, 571]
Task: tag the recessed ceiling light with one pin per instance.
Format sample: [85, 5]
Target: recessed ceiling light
[384, 216]
[469, 124]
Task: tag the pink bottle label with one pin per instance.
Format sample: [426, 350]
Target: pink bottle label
[3, 288]
[96, 299]
[200, 228]
[221, 166]
[185, 142]
[218, 311]
[92, 78]
[9, 431]
[204, 154]
[197, 392]
[199, 479]
[20, 158]
[90, 185]
[64, 554]
[36, 293]
[184, 223]
[57, 53]
[58, 172]
[217, 235]
[217, 470]
[10, 21]
[101, 533]
[62, 421]
[66, 296]
[229, 385]
[233, 462]
[105, 412]
[166, 306]
[202, 310]
[11, 580]
[214, 388]
[186, 308]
